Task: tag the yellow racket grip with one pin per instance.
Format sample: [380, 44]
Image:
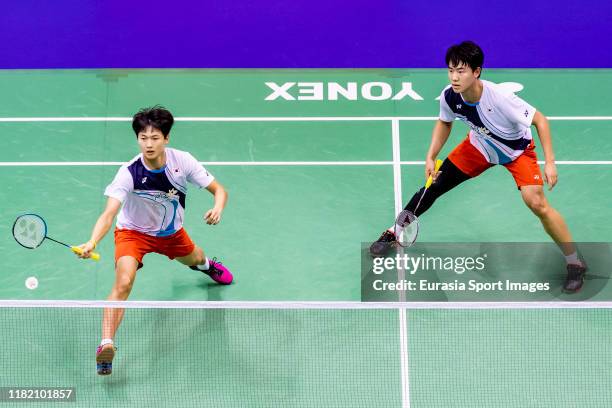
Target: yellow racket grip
[430, 178]
[94, 255]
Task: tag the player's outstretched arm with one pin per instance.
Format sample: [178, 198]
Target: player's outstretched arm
[213, 216]
[550, 169]
[104, 223]
[439, 136]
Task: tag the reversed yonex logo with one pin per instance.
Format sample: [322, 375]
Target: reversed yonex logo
[352, 91]
[536, 177]
[332, 91]
[144, 180]
[459, 106]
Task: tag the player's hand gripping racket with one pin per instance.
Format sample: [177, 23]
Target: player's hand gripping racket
[30, 230]
[407, 224]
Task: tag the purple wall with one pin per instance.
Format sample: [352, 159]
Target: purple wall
[301, 33]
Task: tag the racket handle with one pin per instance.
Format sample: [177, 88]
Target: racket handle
[94, 255]
[430, 178]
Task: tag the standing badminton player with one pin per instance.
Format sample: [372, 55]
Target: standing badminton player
[152, 188]
[500, 133]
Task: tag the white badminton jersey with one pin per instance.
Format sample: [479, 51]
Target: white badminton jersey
[500, 123]
[154, 200]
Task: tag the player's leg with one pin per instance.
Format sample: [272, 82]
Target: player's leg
[463, 163]
[130, 248]
[528, 178]
[552, 221]
[211, 267]
[556, 227]
[125, 273]
[450, 177]
[180, 246]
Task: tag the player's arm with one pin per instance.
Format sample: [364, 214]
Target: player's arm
[550, 169]
[104, 223]
[213, 216]
[439, 136]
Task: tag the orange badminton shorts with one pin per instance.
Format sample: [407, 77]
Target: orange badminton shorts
[137, 245]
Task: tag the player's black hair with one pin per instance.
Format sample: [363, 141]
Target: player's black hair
[468, 53]
[156, 116]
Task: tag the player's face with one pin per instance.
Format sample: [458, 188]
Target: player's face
[152, 143]
[462, 77]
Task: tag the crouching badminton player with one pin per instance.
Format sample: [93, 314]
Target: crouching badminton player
[500, 134]
[152, 188]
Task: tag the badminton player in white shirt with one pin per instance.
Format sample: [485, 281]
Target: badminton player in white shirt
[148, 197]
[500, 134]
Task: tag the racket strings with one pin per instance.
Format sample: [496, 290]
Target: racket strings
[408, 226]
[29, 231]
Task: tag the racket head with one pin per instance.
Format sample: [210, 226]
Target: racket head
[29, 230]
[408, 225]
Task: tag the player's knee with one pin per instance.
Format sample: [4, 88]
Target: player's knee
[123, 285]
[123, 289]
[538, 204]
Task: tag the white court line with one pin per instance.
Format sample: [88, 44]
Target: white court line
[403, 330]
[346, 305]
[579, 117]
[226, 119]
[282, 163]
[397, 168]
[264, 119]
[563, 162]
[237, 163]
